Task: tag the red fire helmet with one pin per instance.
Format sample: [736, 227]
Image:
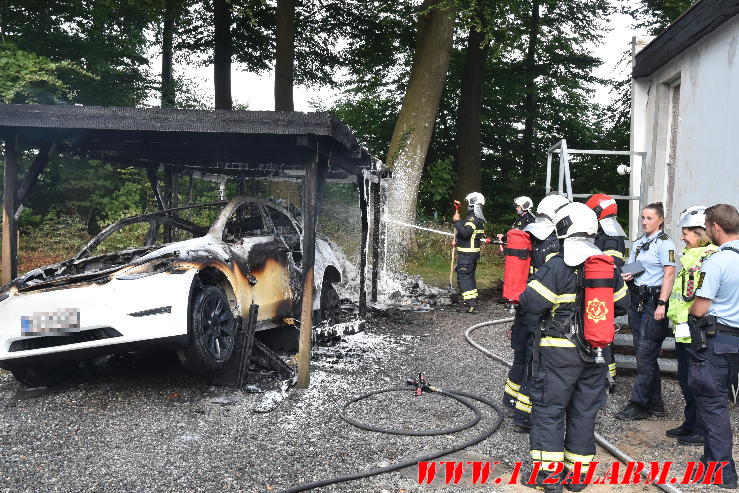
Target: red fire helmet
[603, 205]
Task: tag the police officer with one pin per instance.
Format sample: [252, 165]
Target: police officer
[545, 245]
[698, 248]
[714, 327]
[611, 239]
[650, 293]
[567, 388]
[469, 233]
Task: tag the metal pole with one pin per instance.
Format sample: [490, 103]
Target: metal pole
[309, 250]
[10, 225]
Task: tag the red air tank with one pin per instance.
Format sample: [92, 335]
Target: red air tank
[598, 321]
[517, 262]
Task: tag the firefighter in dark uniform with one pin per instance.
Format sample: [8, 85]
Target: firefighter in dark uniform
[524, 216]
[469, 234]
[567, 389]
[611, 240]
[650, 294]
[714, 330]
[523, 209]
[545, 245]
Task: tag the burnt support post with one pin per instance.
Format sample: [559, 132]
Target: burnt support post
[362, 186]
[310, 202]
[10, 225]
[31, 178]
[375, 187]
[151, 172]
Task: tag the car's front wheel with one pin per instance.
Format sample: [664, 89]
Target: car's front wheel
[211, 333]
[42, 375]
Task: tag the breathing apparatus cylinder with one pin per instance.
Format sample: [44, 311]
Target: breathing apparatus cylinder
[517, 262]
[598, 320]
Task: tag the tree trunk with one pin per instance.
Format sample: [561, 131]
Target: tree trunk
[222, 55]
[285, 55]
[530, 105]
[415, 123]
[168, 89]
[468, 119]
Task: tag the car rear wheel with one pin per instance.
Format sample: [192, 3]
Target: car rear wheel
[211, 333]
[330, 307]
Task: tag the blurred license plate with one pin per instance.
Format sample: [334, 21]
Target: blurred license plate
[58, 323]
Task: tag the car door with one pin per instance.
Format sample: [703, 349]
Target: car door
[258, 253]
[290, 238]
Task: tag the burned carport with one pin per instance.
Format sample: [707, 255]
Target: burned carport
[309, 147]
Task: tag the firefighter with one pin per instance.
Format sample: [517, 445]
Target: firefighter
[611, 239]
[523, 209]
[545, 245]
[647, 315]
[567, 387]
[698, 248]
[714, 330]
[469, 234]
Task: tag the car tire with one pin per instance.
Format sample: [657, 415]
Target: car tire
[211, 333]
[330, 306]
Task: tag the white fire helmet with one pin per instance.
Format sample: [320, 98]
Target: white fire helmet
[525, 202]
[543, 226]
[577, 224]
[693, 217]
[475, 201]
[550, 204]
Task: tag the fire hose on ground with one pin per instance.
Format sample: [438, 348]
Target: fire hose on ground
[612, 449]
[420, 385]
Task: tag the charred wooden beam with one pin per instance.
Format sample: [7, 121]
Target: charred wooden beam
[151, 172]
[31, 178]
[363, 204]
[10, 225]
[310, 192]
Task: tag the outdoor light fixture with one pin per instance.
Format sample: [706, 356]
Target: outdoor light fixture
[623, 169]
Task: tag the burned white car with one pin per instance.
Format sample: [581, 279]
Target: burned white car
[176, 277]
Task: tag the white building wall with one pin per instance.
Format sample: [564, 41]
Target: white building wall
[706, 168]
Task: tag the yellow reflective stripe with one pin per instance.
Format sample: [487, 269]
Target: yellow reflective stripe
[553, 254]
[584, 459]
[524, 399]
[612, 371]
[523, 407]
[470, 224]
[544, 291]
[620, 293]
[460, 249]
[532, 270]
[566, 298]
[510, 392]
[542, 455]
[512, 384]
[478, 231]
[612, 366]
[614, 253]
[556, 342]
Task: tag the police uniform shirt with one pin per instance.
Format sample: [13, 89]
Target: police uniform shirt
[655, 252]
[719, 281]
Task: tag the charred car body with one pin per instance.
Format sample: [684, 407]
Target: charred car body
[175, 277]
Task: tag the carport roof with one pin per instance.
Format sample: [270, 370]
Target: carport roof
[242, 143]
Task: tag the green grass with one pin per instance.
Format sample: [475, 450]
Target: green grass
[432, 260]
